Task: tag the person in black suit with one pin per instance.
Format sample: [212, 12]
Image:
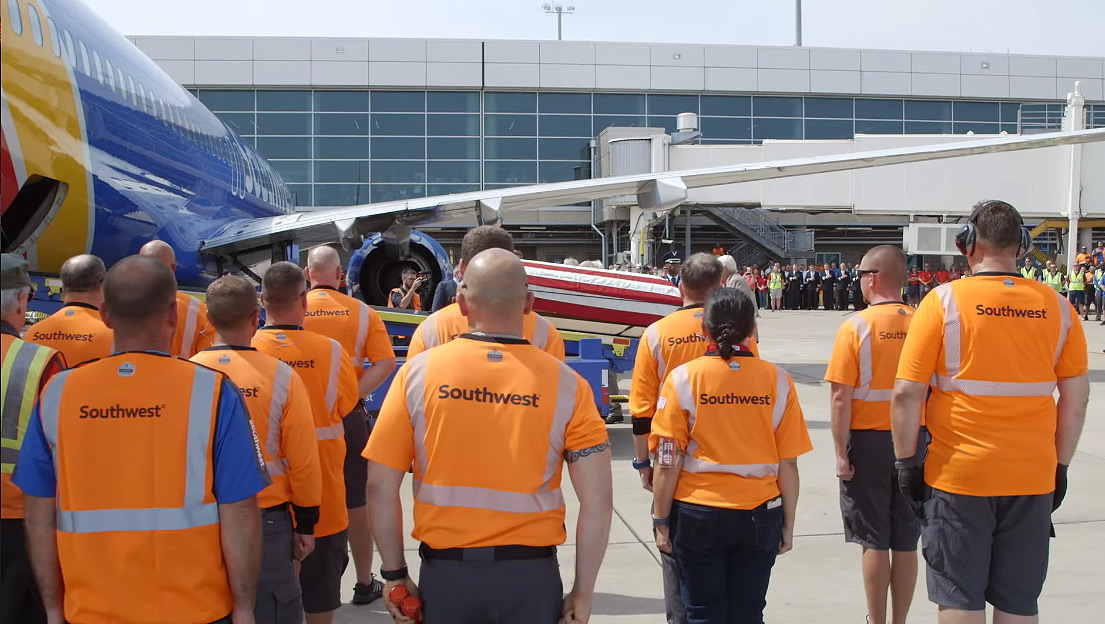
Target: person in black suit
[796, 289]
[812, 279]
[828, 286]
[843, 287]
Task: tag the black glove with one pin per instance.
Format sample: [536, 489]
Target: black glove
[911, 482]
[1060, 486]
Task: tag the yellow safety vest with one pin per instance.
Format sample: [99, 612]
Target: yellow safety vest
[1028, 273]
[1054, 279]
[1077, 281]
[24, 363]
[775, 282]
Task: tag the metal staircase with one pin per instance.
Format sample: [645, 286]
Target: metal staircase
[761, 238]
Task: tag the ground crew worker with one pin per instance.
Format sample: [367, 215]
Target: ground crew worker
[140, 472]
[76, 330]
[1028, 271]
[666, 344]
[993, 348]
[448, 323]
[406, 295]
[27, 368]
[1076, 290]
[727, 434]
[488, 422]
[280, 408]
[864, 361]
[193, 334]
[1084, 258]
[327, 371]
[775, 288]
[1053, 278]
[1099, 287]
[361, 332]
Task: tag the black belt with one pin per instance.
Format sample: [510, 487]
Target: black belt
[489, 553]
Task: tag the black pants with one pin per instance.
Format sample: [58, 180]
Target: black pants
[279, 598]
[811, 296]
[19, 599]
[526, 591]
[841, 297]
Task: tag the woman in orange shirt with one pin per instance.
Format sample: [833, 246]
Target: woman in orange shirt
[726, 434]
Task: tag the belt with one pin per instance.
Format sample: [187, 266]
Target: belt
[489, 553]
[281, 508]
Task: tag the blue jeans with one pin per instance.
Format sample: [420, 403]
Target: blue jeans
[761, 299]
[725, 558]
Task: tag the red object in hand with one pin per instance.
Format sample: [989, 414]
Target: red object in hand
[410, 605]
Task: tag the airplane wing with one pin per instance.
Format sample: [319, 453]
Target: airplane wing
[654, 191]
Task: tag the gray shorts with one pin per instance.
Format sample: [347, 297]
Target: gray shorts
[876, 514]
[986, 549]
[279, 599]
[777, 294]
[320, 574]
[527, 591]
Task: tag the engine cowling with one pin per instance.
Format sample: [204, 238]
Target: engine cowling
[377, 267]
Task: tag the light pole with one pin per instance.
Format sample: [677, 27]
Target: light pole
[560, 11]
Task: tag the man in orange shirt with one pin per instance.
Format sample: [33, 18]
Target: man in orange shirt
[76, 330]
[281, 412]
[488, 422]
[193, 334]
[27, 368]
[862, 368]
[327, 371]
[994, 349]
[718, 250]
[362, 334]
[448, 323]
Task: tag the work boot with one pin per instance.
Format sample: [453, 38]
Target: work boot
[365, 594]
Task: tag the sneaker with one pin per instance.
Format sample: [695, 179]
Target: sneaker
[364, 594]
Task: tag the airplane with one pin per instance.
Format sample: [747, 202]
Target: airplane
[102, 151]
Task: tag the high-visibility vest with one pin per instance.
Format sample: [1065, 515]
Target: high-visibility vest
[1099, 279]
[1077, 281]
[132, 441]
[1054, 279]
[24, 364]
[775, 282]
[1028, 273]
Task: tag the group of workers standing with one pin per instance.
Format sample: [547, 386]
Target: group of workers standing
[230, 488]
[1084, 285]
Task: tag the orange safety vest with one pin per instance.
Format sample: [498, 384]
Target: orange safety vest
[281, 412]
[137, 520]
[485, 423]
[448, 323]
[193, 330]
[77, 331]
[351, 322]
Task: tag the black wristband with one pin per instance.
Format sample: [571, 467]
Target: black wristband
[906, 463]
[641, 426]
[305, 519]
[394, 575]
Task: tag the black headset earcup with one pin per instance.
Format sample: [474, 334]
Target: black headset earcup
[1026, 241]
[965, 238]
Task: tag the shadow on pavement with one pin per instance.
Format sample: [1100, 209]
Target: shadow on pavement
[618, 604]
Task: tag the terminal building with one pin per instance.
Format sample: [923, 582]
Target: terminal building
[351, 121]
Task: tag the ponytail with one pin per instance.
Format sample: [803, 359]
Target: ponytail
[729, 318]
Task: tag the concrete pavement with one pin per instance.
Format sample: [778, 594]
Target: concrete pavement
[819, 581]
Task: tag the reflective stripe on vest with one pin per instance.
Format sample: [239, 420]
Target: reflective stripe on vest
[653, 335]
[333, 432]
[1028, 273]
[863, 391]
[429, 332]
[775, 282]
[333, 381]
[193, 513]
[541, 333]
[545, 498]
[281, 381]
[188, 338]
[953, 356]
[1077, 281]
[362, 333]
[682, 383]
[24, 363]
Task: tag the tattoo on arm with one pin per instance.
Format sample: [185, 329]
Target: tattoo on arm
[572, 457]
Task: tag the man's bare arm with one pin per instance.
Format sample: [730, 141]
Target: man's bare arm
[240, 533]
[905, 416]
[375, 375]
[42, 548]
[589, 469]
[1074, 395]
[385, 512]
[840, 415]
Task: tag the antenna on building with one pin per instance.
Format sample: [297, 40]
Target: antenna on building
[559, 10]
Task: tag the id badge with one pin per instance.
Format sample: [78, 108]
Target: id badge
[665, 453]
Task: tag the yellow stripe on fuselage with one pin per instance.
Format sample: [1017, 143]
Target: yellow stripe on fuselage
[40, 93]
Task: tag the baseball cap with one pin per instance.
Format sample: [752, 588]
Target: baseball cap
[13, 271]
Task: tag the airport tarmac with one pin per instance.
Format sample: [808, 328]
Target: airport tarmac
[819, 581]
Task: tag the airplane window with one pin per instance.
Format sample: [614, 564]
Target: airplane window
[99, 67]
[110, 71]
[122, 83]
[16, 17]
[36, 24]
[133, 91]
[84, 58]
[142, 97]
[70, 56]
[55, 39]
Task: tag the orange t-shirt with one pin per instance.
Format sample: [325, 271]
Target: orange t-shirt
[448, 323]
[356, 326]
[77, 331]
[490, 476]
[396, 296]
[331, 382]
[194, 332]
[735, 421]
[281, 412]
[993, 347]
[865, 357]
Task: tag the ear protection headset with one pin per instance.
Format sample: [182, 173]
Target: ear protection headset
[966, 237]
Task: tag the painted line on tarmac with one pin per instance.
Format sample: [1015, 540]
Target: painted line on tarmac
[639, 540]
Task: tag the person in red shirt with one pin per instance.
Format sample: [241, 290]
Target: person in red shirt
[761, 288]
[718, 250]
[956, 273]
[913, 288]
[943, 276]
[927, 280]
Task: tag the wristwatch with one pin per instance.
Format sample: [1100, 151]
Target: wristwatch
[394, 575]
[661, 522]
[645, 463]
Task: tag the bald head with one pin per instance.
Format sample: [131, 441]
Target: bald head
[83, 275]
[140, 298]
[887, 283]
[324, 266]
[161, 251]
[495, 293]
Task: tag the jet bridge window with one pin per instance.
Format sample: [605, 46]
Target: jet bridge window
[15, 17]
